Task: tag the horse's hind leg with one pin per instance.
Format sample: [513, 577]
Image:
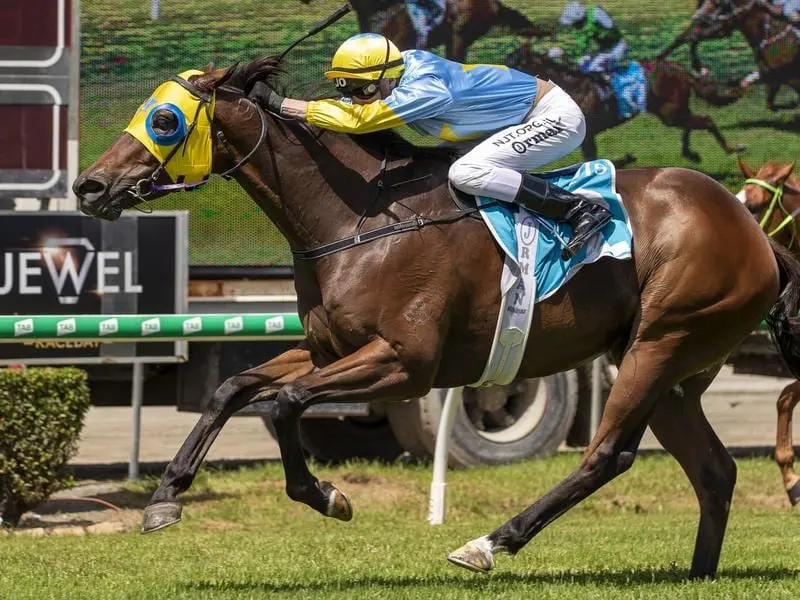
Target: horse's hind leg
[235, 393]
[680, 425]
[703, 122]
[784, 450]
[772, 93]
[648, 370]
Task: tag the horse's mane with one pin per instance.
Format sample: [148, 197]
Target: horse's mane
[269, 68]
[243, 76]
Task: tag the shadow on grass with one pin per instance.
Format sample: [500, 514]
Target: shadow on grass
[471, 582]
[777, 124]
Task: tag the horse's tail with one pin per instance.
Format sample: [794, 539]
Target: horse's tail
[716, 93]
[784, 316]
[516, 21]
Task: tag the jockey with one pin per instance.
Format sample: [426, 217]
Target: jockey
[788, 9]
[425, 16]
[596, 26]
[512, 122]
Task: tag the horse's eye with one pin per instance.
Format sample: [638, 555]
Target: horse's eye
[164, 122]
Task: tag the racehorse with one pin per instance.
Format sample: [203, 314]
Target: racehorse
[398, 292]
[465, 21]
[775, 42]
[669, 91]
[772, 194]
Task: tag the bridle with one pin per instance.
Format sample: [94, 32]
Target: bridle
[147, 187]
[776, 201]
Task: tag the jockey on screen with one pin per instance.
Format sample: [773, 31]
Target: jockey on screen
[425, 16]
[513, 122]
[595, 26]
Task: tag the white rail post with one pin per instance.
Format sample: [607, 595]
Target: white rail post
[136, 429]
[437, 503]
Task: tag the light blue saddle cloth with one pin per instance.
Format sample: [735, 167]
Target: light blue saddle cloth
[629, 83]
[595, 179]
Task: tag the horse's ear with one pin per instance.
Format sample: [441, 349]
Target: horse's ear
[213, 78]
[784, 172]
[746, 170]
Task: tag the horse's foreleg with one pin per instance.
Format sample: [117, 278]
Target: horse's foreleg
[234, 394]
[784, 450]
[697, 65]
[457, 45]
[644, 376]
[772, 93]
[374, 372]
[686, 150]
[675, 44]
[589, 147]
[680, 425]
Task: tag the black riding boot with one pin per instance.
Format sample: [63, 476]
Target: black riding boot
[553, 202]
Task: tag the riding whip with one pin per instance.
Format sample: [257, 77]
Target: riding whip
[324, 24]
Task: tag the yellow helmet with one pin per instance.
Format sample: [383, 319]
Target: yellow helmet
[367, 56]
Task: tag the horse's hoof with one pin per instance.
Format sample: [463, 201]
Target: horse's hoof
[471, 557]
[692, 156]
[160, 515]
[339, 506]
[794, 493]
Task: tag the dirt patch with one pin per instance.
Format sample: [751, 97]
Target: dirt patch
[368, 490]
[89, 508]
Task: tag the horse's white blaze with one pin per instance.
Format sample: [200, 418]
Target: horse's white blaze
[742, 196]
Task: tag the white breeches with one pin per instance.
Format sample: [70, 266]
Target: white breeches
[604, 62]
[494, 168]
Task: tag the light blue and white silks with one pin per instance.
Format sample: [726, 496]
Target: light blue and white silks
[534, 269]
[629, 82]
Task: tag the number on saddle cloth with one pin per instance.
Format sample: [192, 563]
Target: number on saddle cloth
[595, 179]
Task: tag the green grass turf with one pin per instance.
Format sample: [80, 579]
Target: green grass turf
[243, 538]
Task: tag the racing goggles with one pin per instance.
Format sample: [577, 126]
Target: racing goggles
[356, 88]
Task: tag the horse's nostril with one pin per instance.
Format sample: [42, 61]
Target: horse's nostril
[91, 186]
[89, 189]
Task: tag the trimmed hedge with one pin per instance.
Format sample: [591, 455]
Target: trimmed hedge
[41, 416]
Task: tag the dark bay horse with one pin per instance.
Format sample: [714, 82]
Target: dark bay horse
[391, 318]
[669, 92]
[775, 42]
[465, 21]
[772, 194]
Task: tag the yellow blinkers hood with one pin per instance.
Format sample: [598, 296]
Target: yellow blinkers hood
[192, 162]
